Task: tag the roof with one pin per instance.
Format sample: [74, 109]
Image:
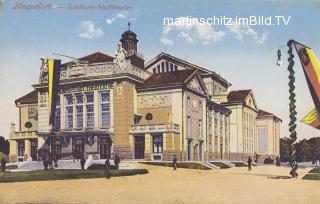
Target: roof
[167, 78]
[31, 97]
[263, 113]
[97, 57]
[238, 95]
[186, 63]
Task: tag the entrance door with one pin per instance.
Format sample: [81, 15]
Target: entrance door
[34, 150]
[57, 148]
[139, 147]
[105, 147]
[79, 147]
[189, 150]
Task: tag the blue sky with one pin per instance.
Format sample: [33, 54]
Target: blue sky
[245, 56]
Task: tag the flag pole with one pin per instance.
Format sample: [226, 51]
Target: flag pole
[292, 110]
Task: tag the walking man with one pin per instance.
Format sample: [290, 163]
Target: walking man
[174, 162]
[82, 162]
[249, 163]
[107, 167]
[116, 161]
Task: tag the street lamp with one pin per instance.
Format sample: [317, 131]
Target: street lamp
[292, 106]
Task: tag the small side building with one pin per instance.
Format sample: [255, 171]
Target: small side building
[268, 135]
[24, 142]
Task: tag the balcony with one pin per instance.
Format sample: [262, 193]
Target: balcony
[170, 127]
[24, 135]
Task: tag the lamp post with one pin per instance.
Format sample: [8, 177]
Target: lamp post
[292, 107]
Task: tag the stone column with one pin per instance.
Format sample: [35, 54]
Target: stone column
[96, 109]
[147, 146]
[13, 155]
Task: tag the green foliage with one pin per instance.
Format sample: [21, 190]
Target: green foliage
[95, 166]
[12, 167]
[186, 165]
[285, 149]
[220, 164]
[315, 170]
[4, 155]
[312, 177]
[4, 145]
[306, 150]
[62, 174]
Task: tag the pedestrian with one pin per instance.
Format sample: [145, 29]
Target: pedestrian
[107, 167]
[174, 162]
[82, 162]
[249, 163]
[3, 164]
[116, 161]
[50, 163]
[45, 162]
[277, 161]
[55, 160]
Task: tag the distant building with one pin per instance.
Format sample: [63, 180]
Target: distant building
[25, 142]
[268, 135]
[242, 123]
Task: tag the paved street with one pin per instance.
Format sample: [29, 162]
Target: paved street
[163, 185]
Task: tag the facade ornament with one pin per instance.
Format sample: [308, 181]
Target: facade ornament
[90, 140]
[121, 57]
[43, 70]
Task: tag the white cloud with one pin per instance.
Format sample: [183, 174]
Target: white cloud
[110, 20]
[191, 33]
[262, 39]
[117, 16]
[166, 41]
[186, 37]
[89, 30]
[239, 31]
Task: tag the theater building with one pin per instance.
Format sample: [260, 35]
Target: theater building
[118, 104]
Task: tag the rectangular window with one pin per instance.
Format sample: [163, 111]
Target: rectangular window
[20, 148]
[79, 110]
[262, 139]
[175, 67]
[57, 116]
[200, 128]
[158, 69]
[57, 119]
[105, 109]
[189, 126]
[90, 110]
[171, 67]
[69, 111]
[157, 144]
[162, 66]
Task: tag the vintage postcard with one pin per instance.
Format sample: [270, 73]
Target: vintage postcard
[162, 102]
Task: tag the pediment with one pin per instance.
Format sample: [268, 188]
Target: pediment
[251, 102]
[196, 84]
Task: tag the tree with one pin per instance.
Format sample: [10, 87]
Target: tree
[4, 145]
[285, 149]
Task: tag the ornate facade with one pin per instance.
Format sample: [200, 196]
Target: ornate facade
[109, 105]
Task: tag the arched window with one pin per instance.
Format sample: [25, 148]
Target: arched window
[188, 101]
